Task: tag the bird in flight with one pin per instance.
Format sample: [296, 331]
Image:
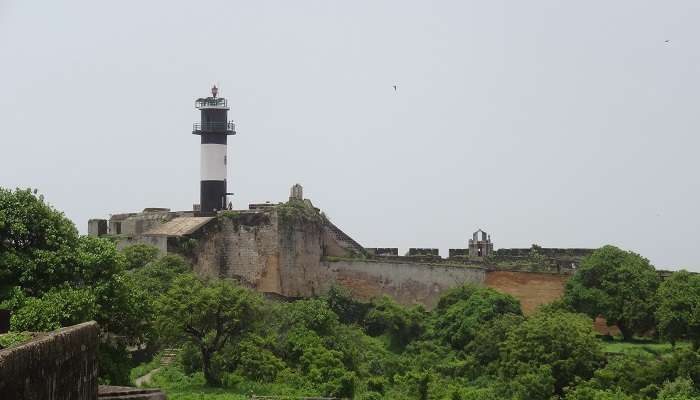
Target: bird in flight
[394, 88]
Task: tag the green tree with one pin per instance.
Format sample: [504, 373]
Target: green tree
[632, 373]
[589, 393]
[562, 341]
[157, 276]
[536, 383]
[311, 314]
[342, 303]
[488, 340]
[206, 314]
[403, 325]
[678, 313]
[324, 368]
[54, 309]
[618, 285]
[679, 389]
[461, 313]
[138, 255]
[36, 243]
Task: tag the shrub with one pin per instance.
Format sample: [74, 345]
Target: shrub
[56, 308]
[461, 312]
[138, 255]
[563, 341]
[403, 325]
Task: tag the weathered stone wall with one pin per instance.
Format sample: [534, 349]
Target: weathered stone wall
[407, 283]
[244, 247]
[59, 366]
[300, 251]
[266, 253]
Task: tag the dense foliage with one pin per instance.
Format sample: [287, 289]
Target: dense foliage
[678, 313]
[618, 285]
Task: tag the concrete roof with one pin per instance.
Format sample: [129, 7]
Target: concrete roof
[179, 226]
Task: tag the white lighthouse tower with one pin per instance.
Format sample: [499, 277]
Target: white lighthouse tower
[214, 127]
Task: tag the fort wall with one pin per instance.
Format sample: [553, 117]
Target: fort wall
[533, 289]
[301, 257]
[61, 365]
[408, 283]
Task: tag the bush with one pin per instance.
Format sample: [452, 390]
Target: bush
[56, 308]
[403, 325]
[461, 312]
[679, 389]
[348, 310]
[376, 384]
[563, 341]
[257, 362]
[313, 314]
[115, 365]
[488, 340]
[632, 374]
[138, 255]
[589, 393]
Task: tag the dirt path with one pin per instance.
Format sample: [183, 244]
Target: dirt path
[167, 358]
[146, 379]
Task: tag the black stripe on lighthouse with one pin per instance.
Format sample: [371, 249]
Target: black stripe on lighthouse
[212, 195]
[213, 138]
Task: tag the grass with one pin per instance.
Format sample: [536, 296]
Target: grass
[11, 339]
[178, 386]
[618, 346]
[143, 369]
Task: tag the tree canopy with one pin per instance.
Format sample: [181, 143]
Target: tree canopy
[618, 285]
[563, 342]
[678, 312]
[206, 314]
[462, 311]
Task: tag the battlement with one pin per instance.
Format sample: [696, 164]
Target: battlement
[546, 251]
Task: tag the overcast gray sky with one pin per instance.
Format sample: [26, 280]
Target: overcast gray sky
[561, 123]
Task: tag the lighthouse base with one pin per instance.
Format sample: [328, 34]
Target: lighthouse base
[212, 195]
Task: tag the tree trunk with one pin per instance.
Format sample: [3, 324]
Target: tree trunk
[209, 376]
[627, 333]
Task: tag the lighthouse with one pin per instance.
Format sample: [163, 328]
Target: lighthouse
[213, 128]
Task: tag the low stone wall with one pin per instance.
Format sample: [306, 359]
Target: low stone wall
[62, 365]
[407, 283]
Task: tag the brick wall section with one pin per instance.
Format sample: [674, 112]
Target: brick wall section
[531, 288]
[59, 366]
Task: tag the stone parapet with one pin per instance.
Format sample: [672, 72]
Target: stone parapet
[61, 365]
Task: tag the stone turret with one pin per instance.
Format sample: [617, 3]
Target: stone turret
[296, 193]
[480, 245]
